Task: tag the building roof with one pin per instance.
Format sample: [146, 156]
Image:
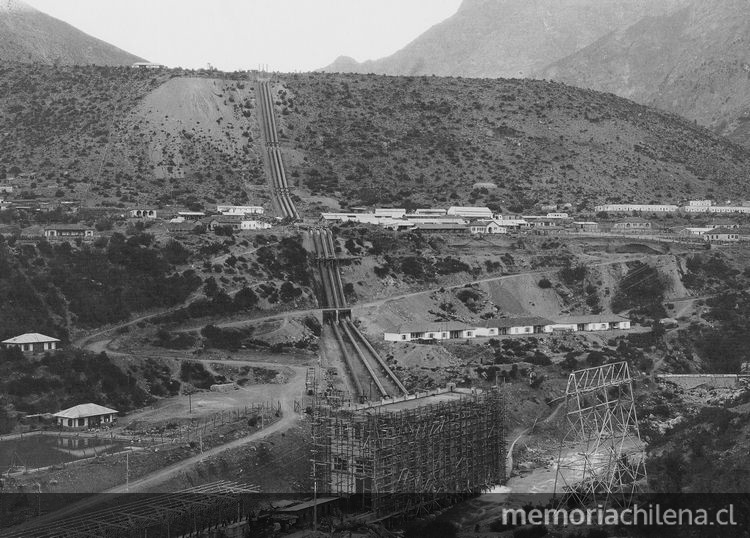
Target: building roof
[440, 226]
[468, 208]
[187, 226]
[30, 338]
[501, 323]
[592, 318]
[228, 219]
[85, 410]
[76, 227]
[432, 327]
[722, 230]
[632, 219]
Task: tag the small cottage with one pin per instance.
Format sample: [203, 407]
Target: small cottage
[88, 415]
[32, 343]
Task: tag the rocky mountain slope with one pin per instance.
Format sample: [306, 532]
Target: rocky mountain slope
[119, 136]
[28, 35]
[508, 38]
[372, 139]
[693, 61]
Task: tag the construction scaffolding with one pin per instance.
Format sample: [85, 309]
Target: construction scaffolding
[414, 454]
[601, 457]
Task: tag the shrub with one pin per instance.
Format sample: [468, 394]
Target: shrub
[544, 283]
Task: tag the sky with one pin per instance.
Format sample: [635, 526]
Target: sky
[286, 35]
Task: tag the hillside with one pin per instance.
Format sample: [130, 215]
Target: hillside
[28, 35]
[507, 38]
[116, 136]
[382, 140]
[121, 136]
[693, 62]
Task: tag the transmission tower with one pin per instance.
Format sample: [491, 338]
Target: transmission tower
[601, 457]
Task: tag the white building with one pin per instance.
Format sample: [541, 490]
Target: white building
[239, 210]
[143, 213]
[32, 342]
[430, 212]
[65, 231]
[627, 208]
[506, 326]
[722, 234]
[490, 226]
[596, 322]
[86, 416]
[511, 222]
[470, 212]
[394, 213]
[695, 231]
[435, 330]
[147, 65]
[254, 225]
[717, 209]
[700, 203]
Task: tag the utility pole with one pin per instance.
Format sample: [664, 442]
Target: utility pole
[127, 472]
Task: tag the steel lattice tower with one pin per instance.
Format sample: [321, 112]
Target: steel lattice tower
[607, 460]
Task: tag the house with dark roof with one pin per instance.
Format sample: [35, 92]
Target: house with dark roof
[232, 221]
[184, 227]
[722, 235]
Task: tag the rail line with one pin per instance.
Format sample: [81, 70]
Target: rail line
[352, 343]
[276, 163]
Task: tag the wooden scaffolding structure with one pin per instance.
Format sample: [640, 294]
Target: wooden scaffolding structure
[414, 454]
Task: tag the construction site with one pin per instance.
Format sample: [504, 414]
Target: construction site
[413, 454]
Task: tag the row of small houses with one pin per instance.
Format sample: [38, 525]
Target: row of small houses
[451, 330]
[64, 231]
[551, 224]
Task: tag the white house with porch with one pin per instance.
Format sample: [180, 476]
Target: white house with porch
[32, 342]
[487, 226]
[87, 415]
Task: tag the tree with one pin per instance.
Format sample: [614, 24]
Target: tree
[210, 288]
[245, 299]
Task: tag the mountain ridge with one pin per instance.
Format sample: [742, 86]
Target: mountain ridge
[507, 38]
[29, 35]
[694, 62]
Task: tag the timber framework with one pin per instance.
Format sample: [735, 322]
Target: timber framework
[413, 454]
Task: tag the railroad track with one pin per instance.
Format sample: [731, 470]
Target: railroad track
[278, 174]
[369, 373]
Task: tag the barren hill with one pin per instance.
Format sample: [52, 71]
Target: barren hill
[507, 38]
[120, 136]
[28, 35]
[693, 62]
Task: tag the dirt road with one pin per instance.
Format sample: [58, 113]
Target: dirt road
[148, 482]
